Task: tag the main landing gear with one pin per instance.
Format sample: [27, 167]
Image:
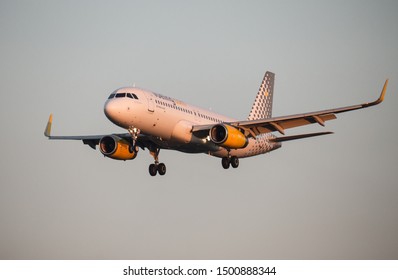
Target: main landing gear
[229, 161]
[156, 167]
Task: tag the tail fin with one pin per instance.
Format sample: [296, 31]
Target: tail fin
[262, 106]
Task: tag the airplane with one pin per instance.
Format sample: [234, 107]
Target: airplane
[154, 122]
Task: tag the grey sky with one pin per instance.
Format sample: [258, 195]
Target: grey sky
[331, 197]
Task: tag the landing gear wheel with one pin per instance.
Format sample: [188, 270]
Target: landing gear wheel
[234, 162]
[156, 167]
[153, 169]
[225, 162]
[161, 169]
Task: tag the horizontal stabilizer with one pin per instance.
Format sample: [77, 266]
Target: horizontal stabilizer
[300, 136]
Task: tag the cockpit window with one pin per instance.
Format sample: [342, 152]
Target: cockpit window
[132, 95]
[123, 94]
[120, 95]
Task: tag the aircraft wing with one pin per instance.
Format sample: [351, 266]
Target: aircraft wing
[255, 127]
[93, 140]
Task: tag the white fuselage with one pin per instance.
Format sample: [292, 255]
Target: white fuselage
[169, 123]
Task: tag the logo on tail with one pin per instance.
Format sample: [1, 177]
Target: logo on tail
[262, 106]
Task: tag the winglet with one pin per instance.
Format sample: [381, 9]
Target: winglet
[380, 99]
[47, 132]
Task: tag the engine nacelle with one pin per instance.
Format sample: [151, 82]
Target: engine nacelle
[228, 136]
[115, 147]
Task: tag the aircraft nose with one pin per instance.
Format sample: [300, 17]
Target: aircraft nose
[112, 110]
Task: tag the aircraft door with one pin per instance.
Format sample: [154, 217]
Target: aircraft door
[151, 104]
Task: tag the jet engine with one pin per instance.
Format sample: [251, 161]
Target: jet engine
[115, 147]
[228, 136]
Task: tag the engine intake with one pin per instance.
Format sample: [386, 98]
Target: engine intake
[115, 147]
[228, 136]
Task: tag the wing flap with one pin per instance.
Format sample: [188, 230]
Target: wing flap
[300, 136]
[320, 119]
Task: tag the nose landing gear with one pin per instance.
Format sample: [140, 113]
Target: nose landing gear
[133, 148]
[154, 168]
[134, 132]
